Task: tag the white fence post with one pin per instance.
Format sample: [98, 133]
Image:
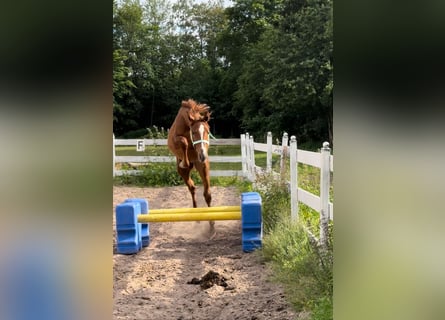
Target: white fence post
[114, 155]
[284, 144]
[269, 152]
[248, 164]
[293, 179]
[252, 159]
[325, 175]
[243, 155]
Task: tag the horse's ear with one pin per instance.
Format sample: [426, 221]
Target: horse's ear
[206, 117]
[205, 113]
[185, 104]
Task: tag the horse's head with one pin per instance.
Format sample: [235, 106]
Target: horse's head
[199, 135]
[199, 130]
[194, 118]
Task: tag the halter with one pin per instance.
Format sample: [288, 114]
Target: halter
[197, 141]
[201, 141]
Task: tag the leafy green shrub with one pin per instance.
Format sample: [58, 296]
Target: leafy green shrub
[155, 133]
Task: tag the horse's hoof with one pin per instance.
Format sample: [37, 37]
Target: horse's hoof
[212, 233]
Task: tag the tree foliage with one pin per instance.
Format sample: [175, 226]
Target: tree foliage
[262, 65]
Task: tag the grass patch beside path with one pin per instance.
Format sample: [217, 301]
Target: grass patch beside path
[305, 272]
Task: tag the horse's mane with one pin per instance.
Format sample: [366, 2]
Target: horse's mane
[196, 111]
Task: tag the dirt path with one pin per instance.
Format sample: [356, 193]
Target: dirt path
[153, 283]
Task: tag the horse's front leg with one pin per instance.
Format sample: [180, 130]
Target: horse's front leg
[181, 147]
[204, 173]
[185, 174]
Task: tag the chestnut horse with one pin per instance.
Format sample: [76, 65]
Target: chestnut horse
[188, 140]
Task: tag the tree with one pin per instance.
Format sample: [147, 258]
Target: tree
[262, 65]
[301, 80]
[284, 79]
[122, 84]
[129, 64]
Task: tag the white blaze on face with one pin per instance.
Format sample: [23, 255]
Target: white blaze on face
[201, 134]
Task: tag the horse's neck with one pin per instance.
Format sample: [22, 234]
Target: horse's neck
[182, 124]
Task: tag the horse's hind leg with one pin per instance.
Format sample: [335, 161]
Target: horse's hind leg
[185, 174]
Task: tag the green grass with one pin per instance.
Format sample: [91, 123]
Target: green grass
[303, 270]
[149, 151]
[261, 159]
[172, 165]
[164, 151]
[160, 175]
[165, 174]
[298, 266]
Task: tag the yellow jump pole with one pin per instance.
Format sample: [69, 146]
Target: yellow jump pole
[196, 210]
[196, 216]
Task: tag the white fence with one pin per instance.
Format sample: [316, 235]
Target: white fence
[138, 160]
[323, 160]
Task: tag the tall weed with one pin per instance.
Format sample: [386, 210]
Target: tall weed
[155, 133]
[275, 200]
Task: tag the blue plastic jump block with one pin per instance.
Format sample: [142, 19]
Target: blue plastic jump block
[145, 227]
[249, 246]
[251, 221]
[127, 229]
